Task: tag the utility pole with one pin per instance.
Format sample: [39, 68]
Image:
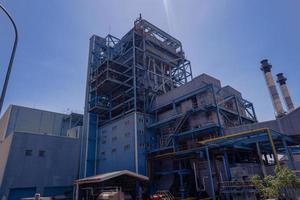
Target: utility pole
[4, 88]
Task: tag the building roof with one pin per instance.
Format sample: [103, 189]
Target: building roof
[111, 175]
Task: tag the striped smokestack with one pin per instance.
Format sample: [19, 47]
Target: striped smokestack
[285, 92]
[266, 68]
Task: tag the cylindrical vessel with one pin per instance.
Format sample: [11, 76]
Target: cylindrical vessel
[266, 68]
[285, 91]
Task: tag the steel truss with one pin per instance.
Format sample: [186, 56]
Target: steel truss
[127, 74]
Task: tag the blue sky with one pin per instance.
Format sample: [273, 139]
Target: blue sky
[223, 38]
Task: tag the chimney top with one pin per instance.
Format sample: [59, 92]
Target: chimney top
[265, 66]
[281, 79]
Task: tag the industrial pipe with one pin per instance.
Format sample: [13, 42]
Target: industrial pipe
[285, 92]
[252, 132]
[266, 68]
[11, 58]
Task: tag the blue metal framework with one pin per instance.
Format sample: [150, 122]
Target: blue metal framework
[125, 75]
[263, 141]
[180, 144]
[131, 71]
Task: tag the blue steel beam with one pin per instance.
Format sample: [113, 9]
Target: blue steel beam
[210, 174]
[288, 153]
[186, 96]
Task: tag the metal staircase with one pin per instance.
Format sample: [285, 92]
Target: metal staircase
[182, 120]
[162, 195]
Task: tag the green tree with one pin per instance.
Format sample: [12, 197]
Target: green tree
[273, 186]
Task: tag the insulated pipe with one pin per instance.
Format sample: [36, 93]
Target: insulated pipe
[285, 92]
[266, 68]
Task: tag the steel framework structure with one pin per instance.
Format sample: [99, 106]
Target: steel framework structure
[127, 74]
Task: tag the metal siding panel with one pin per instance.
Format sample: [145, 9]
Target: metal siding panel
[121, 159]
[4, 122]
[58, 191]
[28, 120]
[18, 193]
[58, 162]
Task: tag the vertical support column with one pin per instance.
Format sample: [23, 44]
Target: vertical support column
[76, 191]
[260, 159]
[253, 111]
[173, 143]
[218, 109]
[110, 106]
[226, 165]
[136, 154]
[196, 176]
[290, 156]
[211, 180]
[273, 147]
[181, 189]
[134, 69]
[138, 194]
[238, 110]
[174, 107]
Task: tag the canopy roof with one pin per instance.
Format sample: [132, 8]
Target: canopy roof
[111, 175]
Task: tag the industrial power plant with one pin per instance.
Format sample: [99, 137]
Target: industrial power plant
[150, 130]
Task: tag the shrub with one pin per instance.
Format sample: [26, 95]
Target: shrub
[272, 186]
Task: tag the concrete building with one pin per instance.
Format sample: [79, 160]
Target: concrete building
[40, 152]
[192, 136]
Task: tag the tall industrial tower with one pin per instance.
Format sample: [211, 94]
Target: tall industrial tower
[124, 78]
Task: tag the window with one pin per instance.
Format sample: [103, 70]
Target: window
[114, 128]
[103, 141]
[114, 138]
[141, 120]
[42, 153]
[103, 153]
[126, 147]
[127, 122]
[103, 132]
[127, 134]
[141, 132]
[114, 150]
[28, 152]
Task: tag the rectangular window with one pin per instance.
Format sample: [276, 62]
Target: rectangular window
[114, 150]
[28, 152]
[103, 153]
[127, 122]
[126, 147]
[104, 142]
[42, 153]
[114, 128]
[114, 138]
[127, 134]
